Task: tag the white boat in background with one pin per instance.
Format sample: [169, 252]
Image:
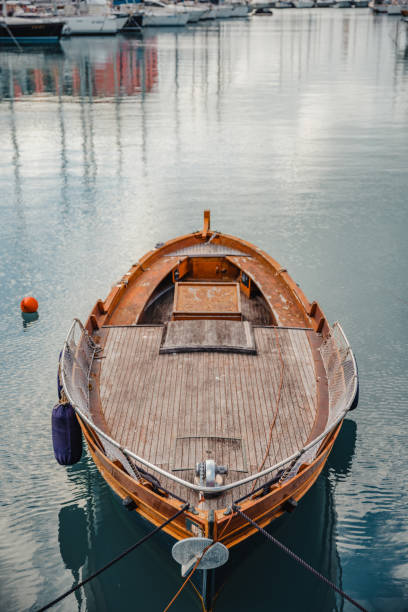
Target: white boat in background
[360, 3]
[343, 4]
[303, 3]
[195, 13]
[93, 17]
[394, 8]
[240, 9]
[283, 4]
[377, 6]
[157, 14]
[90, 25]
[223, 10]
[209, 14]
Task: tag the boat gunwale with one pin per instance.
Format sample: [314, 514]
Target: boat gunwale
[197, 488]
[104, 310]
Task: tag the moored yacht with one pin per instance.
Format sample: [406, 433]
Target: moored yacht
[209, 391]
[394, 8]
[28, 31]
[378, 6]
[303, 3]
[240, 9]
[159, 14]
[93, 17]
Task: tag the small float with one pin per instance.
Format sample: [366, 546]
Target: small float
[207, 380]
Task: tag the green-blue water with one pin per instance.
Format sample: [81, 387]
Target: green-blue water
[294, 131]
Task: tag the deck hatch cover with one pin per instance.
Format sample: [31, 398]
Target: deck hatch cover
[208, 335]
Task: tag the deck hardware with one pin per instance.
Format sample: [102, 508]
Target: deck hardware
[209, 474]
[129, 503]
[159, 245]
[290, 505]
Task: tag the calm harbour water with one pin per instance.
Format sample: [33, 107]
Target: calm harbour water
[294, 131]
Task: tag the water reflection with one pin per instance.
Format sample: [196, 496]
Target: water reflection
[86, 68]
[72, 520]
[29, 318]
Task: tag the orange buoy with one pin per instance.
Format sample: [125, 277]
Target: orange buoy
[29, 304]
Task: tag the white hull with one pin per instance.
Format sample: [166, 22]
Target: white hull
[209, 14]
[223, 11]
[393, 9]
[378, 8]
[161, 18]
[303, 3]
[195, 14]
[93, 24]
[240, 10]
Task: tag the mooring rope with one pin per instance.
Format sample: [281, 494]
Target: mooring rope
[118, 558]
[301, 562]
[188, 577]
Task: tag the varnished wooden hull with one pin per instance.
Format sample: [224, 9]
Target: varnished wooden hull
[156, 508]
[134, 314]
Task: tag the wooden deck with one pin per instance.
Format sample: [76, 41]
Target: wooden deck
[178, 409]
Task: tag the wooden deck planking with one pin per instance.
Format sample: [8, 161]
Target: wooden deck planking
[306, 371]
[149, 400]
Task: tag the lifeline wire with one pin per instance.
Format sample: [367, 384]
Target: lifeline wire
[298, 559]
[123, 554]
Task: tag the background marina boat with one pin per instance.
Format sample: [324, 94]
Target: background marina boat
[343, 4]
[394, 8]
[93, 17]
[325, 3]
[195, 10]
[283, 4]
[378, 6]
[223, 10]
[159, 14]
[209, 14]
[195, 14]
[206, 377]
[303, 3]
[88, 25]
[240, 9]
[26, 31]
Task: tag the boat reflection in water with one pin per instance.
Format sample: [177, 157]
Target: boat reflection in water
[100, 68]
[92, 535]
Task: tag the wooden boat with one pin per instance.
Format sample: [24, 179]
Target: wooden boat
[207, 376]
